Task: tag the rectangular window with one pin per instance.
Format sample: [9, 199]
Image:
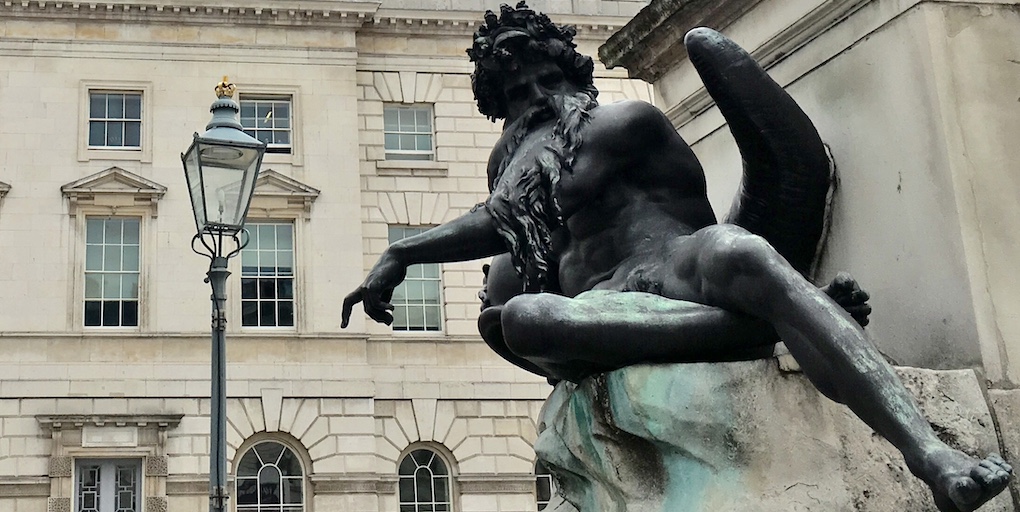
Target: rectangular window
[115, 120]
[408, 132]
[111, 272]
[268, 119]
[416, 304]
[108, 485]
[267, 276]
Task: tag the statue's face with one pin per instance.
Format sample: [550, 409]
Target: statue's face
[531, 83]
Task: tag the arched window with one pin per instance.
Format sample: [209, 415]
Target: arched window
[270, 479]
[544, 486]
[424, 483]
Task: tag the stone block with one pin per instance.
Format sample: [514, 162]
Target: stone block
[1006, 407]
[744, 437]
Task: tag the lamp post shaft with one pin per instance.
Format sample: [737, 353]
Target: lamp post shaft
[218, 411]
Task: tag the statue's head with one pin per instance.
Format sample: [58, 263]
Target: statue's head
[520, 35]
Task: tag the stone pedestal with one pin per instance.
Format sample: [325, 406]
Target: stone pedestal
[743, 436]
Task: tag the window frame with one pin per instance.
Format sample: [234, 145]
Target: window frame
[542, 473]
[249, 447]
[295, 283]
[137, 462]
[439, 283]
[393, 155]
[111, 193]
[293, 93]
[271, 148]
[450, 476]
[144, 152]
[103, 271]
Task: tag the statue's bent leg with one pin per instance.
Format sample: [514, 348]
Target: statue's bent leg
[604, 330]
[725, 266]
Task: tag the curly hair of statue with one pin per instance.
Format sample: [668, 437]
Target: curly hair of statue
[497, 45]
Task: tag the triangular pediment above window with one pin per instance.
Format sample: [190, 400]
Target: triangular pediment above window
[276, 194]
[113, 187]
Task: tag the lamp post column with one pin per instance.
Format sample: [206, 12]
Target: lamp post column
[217, 277]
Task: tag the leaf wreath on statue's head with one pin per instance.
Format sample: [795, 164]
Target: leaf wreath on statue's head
[518, 32]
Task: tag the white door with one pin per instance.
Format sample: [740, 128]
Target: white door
[107, 485]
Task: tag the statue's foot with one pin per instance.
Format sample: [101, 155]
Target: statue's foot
[961, 483]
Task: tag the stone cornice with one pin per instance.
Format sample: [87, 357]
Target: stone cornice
[25, 487]
[58, 422]
[301, 13]
[313, 14]
[652, 42]
[496, 484]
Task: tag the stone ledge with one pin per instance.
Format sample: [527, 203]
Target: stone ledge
[25, 487]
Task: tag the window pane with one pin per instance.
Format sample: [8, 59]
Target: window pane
[93, 286]
[392, 141]
[130, 261]
[292, 491]
[285, 288]
[111, 286]
[416, 319]
[94, 231]
[423, 142]
[115, 106]
[406, 142]
[129, 313]
[97, 133]
[97, 105]
[93, 257]
[111, 257]
[93, 313]
[249, 313]
[286, 314]
[249, 289]
[133, 134]
[113, 230]
[423, 484]
[267, 314]
[282, 109]
[267, 236]
[390, 120]
[114, 134]
[129, 286]
[133, 106]
[267, 288]
[247, 491]
[111, 313]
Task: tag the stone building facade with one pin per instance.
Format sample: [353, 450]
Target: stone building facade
[104, 318]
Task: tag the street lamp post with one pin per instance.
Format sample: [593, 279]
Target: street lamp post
[221, 167]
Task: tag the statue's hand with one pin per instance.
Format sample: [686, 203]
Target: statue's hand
[377, 291]
[847, 293]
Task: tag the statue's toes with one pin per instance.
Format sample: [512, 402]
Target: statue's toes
[966, 492]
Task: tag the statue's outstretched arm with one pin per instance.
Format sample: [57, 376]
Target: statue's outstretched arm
[468, 237]
[787, 177]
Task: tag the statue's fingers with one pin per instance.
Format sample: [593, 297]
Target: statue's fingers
[349, 301]
[844, 280]
[859, 296]
[381, 315]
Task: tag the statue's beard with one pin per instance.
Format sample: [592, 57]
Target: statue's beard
[524, 203]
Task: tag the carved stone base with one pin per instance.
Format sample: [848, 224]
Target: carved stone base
[742, 437]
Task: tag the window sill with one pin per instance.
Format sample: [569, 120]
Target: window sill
[425, 168]
[136, 154]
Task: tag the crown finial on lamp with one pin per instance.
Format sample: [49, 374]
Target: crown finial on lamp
[225, 89]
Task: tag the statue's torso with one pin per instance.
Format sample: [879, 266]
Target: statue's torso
[627, 195]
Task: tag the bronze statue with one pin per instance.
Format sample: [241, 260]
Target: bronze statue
[608, 253]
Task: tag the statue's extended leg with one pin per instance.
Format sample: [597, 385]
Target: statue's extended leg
[727, 267]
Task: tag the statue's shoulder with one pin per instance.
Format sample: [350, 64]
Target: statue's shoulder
[628, 122]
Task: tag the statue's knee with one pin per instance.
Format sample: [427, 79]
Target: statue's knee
[527, 320]
[736, 252]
